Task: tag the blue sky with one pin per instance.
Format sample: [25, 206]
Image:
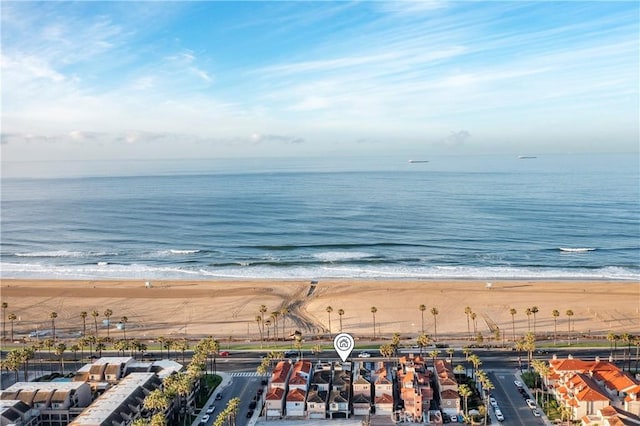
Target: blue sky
[134, 80]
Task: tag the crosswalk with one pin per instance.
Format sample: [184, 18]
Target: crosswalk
[244, 374]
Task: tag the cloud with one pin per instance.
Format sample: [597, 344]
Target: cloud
[457, 139]
[257, 138]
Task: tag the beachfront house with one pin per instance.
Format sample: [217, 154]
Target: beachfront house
[295, 402]
[317, 403]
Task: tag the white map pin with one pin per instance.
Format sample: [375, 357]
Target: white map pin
[343, 344]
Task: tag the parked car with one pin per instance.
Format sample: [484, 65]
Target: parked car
[493, 402]
[454, 418]
[210, 409]
[499, 416]
[531, 403]
[518, 383]
[364, 355]
[204, 419]
[225, 353]
[252, 405]
[536, 412]
[218, 397]
[249, 414]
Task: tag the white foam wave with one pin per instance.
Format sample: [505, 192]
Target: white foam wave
[175, 252]
[64, 253]
[139, 271]
[337, 256]
[576, 249]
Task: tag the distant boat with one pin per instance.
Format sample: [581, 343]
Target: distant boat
[526, 157]
[418, 161]
[576, 249]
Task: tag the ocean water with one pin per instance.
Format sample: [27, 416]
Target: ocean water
[484, 217]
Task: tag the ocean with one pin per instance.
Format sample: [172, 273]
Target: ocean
[477, 217]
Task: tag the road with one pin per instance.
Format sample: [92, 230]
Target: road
[511, 402]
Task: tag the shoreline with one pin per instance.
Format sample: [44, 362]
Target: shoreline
[226, 307]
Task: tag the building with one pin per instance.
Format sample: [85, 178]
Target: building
[16, 412]
[587, 388]
[54, 403]
[120, 404]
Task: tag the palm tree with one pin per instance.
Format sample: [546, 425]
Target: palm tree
[156, 401]
[373, 312]
[5, 305]
[263, 310]
[12, 318]
[467, 312]
[83, 315]
[528, 312]
[434, 312]
[340, 314]
[476, 362]
[434, 355]
[423, 342]
[513, 313]
[284, 311]
[100, 346]
[267, 324]
[627, 338]
[53, 316]
[386, 351]
[95, 316]
[556, 314]
[329, 309]
[569, 314]
[475, 323]
[636, 342]
[60, 348]
[611, 337]
[534, 311]
[260, 329]
[124, 320]
[274, 319]
[465, 392]
[450, 352]
[107, 314]
[422, 308]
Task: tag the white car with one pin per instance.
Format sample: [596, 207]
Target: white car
[364, 355]
[204, 418]
[211, 409]
[493, 402]
[499, 416]
[536, 413]
[518, 383]
[531, 403]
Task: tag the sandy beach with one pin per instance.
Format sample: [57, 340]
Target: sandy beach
[229, 308]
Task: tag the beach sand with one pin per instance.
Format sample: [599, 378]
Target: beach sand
[229, 308]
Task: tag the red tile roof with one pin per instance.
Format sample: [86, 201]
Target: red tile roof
[275, 394]
[296, 395]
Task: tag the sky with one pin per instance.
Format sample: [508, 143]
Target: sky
[161, 80]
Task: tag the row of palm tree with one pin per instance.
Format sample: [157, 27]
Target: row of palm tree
[329, 310]
[177, 387]
[54, 315]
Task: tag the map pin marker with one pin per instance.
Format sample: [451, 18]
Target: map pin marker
[343, 344]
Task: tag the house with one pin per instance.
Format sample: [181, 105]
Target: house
[339, 404]
[610, 416]
[16, 412]
[295, 402]
[361, 404]
[280, 375]
[322, 380]
[53, 403]
[274, 402]
[383, 404]
[317, 403]
[383, 393]
[450, 402]
[586, 387]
